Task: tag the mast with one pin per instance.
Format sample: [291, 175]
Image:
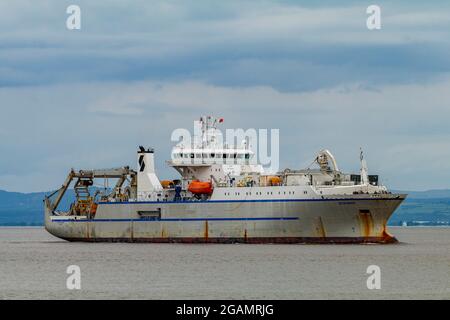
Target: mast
[364, 170]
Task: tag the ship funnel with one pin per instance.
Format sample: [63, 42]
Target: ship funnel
[147, 181]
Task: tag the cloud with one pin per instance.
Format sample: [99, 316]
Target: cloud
[137, 71]
[285, 45]
[53, 128]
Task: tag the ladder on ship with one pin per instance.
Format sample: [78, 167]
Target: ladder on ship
[81, 189]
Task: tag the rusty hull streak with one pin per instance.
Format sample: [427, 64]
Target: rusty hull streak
[321, 229]
[88, 227]
[132, 231]
[163, 232]
[366, 221]
[367, 229]
[206, 231]
[388, 238]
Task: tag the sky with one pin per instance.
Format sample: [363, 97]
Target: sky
[137, 70]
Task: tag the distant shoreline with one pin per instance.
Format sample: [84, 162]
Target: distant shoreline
[425, 208]
[39, 227]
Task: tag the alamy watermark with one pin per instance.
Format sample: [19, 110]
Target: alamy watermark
[373, 22]
[73, 281]
[73, 21]
[236, 146]
[374, 280]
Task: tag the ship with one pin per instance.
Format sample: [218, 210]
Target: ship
[222, 195]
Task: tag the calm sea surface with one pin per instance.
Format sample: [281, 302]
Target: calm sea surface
[33, 266]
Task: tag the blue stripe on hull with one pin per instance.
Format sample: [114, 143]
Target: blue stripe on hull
[178, 219]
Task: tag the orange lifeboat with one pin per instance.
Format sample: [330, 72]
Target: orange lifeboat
[200, 187]
[274, 181]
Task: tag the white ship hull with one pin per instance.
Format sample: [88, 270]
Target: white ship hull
[332, 219]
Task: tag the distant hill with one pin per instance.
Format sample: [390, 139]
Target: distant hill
[429, 194]
[27, 208]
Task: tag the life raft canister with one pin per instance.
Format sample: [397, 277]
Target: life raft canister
[166, 184]
[200, 187]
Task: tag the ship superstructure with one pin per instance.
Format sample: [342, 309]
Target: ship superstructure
[224, 195]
